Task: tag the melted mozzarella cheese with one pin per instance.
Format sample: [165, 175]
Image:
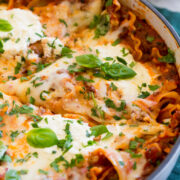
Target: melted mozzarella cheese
[45, 156]
[129, 87]
[56, 77]
[27, 29]
[78, 131]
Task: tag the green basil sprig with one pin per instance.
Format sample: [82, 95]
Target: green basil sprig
[117, 71]
[108, 71]
[12, 175]
[88, 61]
[41, 138]
[5, 26]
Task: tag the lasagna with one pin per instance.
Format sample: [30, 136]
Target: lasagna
[88, 90]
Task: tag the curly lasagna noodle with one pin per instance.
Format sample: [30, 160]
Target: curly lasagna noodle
[89, 91]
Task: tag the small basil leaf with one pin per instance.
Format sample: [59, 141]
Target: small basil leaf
[41, 138]
[117, 71]
[12, 175]
[88, 61]
[5, 26]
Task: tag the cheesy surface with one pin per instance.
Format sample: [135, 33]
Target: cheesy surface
[76, 100]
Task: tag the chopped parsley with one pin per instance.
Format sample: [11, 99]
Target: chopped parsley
[14, 134]
[63, 21]
[31, 100]
[65, 144]
[23, 79]
[21, 110]
[42, 172]
[134, 166]
[153, 87]
[34, 82]
[81, 78]
[113, 86]
[73, 68]
[109, 3]
[110, 104]
[144, 94]
[28, 91]
[121, 60]
[1, 95]
[41, 95]
[124, 52]
[169, 58]
[1, 47]
[133, 154]
[150, 38]
[99, 130]
[116, 42]
[22, 172]
[17, 68]
[102, 25]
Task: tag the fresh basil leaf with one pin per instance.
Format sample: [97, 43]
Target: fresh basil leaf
[41, 138]
[5, 26]
[117, 71]
[88, 61]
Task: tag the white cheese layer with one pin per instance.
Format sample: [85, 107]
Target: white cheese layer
[26, 30]
[79, 135]
[56, 80]
[128, 87]
[45, 156]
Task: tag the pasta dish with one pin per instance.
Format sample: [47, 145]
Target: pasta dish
[88, 90]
